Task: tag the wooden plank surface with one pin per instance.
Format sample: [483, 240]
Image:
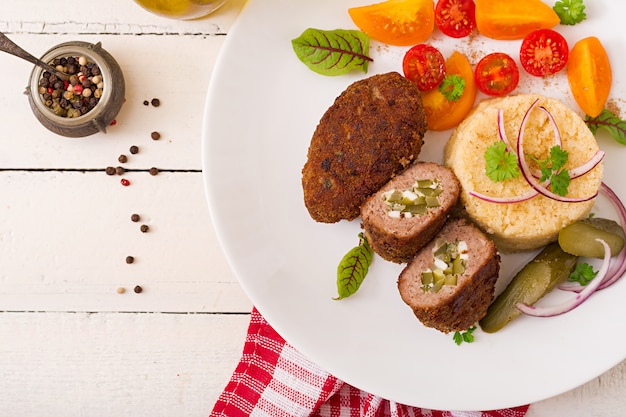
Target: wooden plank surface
[114, 364]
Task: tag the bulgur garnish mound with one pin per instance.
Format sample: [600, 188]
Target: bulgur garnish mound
[533, 223]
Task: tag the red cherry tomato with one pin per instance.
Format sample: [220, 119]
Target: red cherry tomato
[543, 52]
[455, 18]
[425, 66]
[496, 74]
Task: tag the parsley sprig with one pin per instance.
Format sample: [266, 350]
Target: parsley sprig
[466, 336]
[500, 164]
[583, 274]
[570, 11]
[552, 170]
[452, 87]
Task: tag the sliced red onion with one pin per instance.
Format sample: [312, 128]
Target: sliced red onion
[587, 166]
[502, 132]
[537, 188]
[527, 173]
[555, 127]
[619, 266]
[580, 298]
[506, 200]
[571, 286]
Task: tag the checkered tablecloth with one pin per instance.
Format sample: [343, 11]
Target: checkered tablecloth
[273, 379]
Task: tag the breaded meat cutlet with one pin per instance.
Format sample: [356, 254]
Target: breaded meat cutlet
[373, 131]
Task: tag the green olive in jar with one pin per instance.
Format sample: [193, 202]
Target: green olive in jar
[580, 238]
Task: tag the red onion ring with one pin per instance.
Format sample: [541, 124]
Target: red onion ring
[557, 132]
[587, 166]
[580, 298]
[536, 187]
[617, 272]
[506, 200]
[618, 268]
[527, 173]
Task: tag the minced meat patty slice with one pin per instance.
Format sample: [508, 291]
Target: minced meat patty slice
[458, 306]
[399, 238]
[373, 131]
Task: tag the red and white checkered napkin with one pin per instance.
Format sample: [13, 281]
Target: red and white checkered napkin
[273, 379]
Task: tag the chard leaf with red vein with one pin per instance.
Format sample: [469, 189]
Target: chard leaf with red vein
[609, 121]
[333, 52]
[353, 268]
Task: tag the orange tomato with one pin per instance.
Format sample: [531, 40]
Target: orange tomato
[589, 75]
[513, 19]
[442, 114]
[396, 22]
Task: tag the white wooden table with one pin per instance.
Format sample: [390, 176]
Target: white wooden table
[70, 343]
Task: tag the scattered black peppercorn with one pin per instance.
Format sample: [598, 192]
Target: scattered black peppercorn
[120, 171]
[155, 102]
[122, 159]
[134, 149]
[138, 289]
[135, 217]
[130, 259]
[144, 228]
[110, 171]
[146, 102]
[154, 171]
[155, 135]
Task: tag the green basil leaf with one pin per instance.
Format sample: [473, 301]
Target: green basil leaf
[609, 121]
[333, 52]
[353, 268]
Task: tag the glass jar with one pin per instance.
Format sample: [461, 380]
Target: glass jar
[102, 114]
[181, 9]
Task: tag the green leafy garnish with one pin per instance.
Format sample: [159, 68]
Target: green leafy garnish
[452, 87]
[583, 274]
[552, 170]
[609, 121]
[333, 52]
[466, 336]
[500, 164]
[353, 268]
[570, 11]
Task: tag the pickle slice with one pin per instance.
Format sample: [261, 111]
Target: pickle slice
[579, 238]
[549, 268]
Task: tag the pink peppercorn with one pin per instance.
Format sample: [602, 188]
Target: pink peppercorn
[125, 182]
[78, 89]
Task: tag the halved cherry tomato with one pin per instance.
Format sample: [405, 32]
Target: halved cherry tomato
[443, 114]
[396, 22]
[513, 19]
[496, 74]
[589, 75]
[455, 18]
[424, 65]
[543, 52]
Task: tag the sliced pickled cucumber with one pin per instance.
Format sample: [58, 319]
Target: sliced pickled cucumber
[579, 238]
[549, 268]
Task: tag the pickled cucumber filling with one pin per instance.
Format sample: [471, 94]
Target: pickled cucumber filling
[448, 263]
[414, 201]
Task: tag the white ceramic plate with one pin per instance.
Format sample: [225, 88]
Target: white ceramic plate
[262, 108]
